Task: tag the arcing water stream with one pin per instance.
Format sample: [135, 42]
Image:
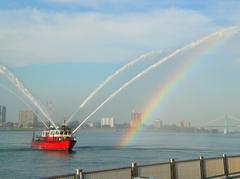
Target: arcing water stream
[111, 77]
[24, 102]
[19, 85]
[217, 35]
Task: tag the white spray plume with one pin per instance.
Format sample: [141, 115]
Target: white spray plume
[217, 34]
[19, 85]
[111, 77]
[23, 101]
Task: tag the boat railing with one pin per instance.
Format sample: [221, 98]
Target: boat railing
[202, 168]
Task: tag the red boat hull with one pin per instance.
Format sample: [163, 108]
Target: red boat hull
[53, 145]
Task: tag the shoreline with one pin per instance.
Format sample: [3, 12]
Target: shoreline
[163, 130]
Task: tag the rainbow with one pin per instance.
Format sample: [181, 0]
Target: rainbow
[167, 88]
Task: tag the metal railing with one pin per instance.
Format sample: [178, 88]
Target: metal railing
[223, 167]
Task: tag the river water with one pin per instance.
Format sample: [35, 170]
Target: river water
[96, 150]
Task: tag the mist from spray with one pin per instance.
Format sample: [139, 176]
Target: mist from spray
[23, 101]
[19, 86]
[216, 35]
[111, 77]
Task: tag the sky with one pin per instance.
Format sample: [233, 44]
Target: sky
[62, 49]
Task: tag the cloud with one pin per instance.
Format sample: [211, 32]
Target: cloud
[93, 4]
[66, 1]
[32, 36]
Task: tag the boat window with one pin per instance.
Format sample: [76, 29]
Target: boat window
[65, 133]
[57, 132]
[61, 132]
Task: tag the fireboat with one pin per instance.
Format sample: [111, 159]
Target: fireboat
[55, 139]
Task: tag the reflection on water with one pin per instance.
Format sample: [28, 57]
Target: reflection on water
[59, 154]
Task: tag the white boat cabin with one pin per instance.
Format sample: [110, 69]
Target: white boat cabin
[56, 133]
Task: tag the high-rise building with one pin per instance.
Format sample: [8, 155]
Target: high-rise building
[2, 115]
[27, 119]
[136, 119]
[107, 122]
[158, 124]
[184, 124]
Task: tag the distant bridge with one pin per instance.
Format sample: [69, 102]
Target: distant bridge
[225, 122]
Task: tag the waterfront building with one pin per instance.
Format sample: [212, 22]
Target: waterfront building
[136, 119]
[90, 124]
[2, 115]
[158, 124]
[184, 124]
[27, 119]
[107, 122]
[9, 125]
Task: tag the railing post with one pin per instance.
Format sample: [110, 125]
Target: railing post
[202, 167]
[134, 171]
[79, 174]
[172, 169]
[225, 164]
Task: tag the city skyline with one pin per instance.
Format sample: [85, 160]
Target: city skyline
[62, 58]
[28, 120]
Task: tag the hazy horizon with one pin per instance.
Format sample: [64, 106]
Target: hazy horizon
[61, 50]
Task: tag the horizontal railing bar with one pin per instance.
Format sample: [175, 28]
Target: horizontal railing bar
[154, 164]
[214, 158]
[234, 173]
[59, 176]
[233, 156]
[215, 176]
[107, 170]
[184, 161]
[234, 176]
